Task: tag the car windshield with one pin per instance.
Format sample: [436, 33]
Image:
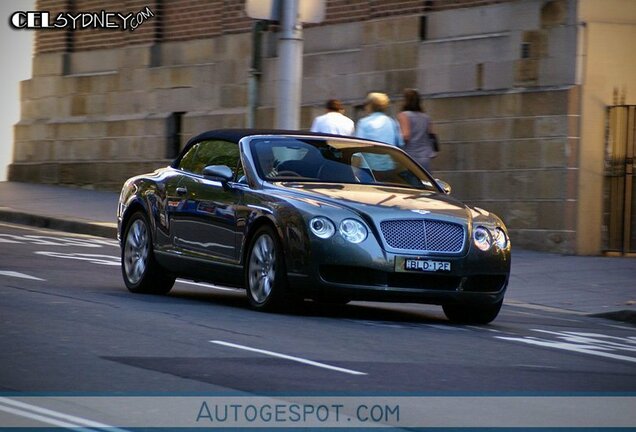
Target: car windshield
[329, 160]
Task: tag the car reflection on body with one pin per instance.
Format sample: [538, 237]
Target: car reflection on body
[293, 215]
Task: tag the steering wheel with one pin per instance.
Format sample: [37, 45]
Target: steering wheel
[287, 173]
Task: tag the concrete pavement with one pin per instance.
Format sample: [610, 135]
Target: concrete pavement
[601, 286]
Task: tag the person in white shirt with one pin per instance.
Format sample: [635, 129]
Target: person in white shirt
[333, 121]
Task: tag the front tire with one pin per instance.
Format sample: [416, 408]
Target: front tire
[472, 313]
[265, 272]
[141, 272]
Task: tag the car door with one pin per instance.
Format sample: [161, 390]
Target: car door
[204, 221]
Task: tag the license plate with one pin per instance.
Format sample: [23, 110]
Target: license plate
[426, 265]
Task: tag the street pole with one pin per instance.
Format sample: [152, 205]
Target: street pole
[290, 67]
[255, 73]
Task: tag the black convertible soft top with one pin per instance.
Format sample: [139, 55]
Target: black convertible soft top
[235, 135]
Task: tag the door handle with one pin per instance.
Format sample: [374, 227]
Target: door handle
[182, 191]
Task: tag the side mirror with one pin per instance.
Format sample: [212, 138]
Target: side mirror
[445, 186]
[222, 173]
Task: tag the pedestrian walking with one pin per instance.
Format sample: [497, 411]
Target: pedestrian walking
[333, 121]
[378, 126]
[416, 128]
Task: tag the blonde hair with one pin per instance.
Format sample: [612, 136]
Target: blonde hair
[377, 101]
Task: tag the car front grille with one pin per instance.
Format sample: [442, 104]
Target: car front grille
[423, 235]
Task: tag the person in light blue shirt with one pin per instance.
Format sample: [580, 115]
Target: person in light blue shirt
[380, 127]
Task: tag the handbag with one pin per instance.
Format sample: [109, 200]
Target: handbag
[434, 141]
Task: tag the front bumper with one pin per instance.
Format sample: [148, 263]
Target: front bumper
[368, 272]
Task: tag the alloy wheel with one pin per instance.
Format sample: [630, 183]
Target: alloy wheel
[136, 251]
[262, 268]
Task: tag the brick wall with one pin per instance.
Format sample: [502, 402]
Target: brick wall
[190, 19]
[96, 38]
[51, 40]
[199, 19]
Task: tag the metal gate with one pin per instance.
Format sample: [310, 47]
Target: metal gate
[620, 202]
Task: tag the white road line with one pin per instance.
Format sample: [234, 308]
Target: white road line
[483, 328]
[584, 343]
[618, 326]
[205, 285]
[92, 258]
[549, 344]
[49, 416]
[19, 275]
[37, 417]
[517, 303]
[446, 327]
[287, 357]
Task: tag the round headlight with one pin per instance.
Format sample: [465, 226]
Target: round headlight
[322, 227]
[501, 239]
[353, 231]
[482, 238]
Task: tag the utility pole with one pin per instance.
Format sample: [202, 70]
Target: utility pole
[290, 14]
[290, 66]
[254, 73]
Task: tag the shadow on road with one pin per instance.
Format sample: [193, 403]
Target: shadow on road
[366, 311]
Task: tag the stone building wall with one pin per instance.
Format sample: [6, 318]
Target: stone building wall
[498, 78]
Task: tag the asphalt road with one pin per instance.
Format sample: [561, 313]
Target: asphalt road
[68, 324]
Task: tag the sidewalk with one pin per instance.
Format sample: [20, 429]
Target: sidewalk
[580, 285]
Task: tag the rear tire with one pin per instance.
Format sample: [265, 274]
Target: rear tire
[265, 272]
[141, 272]
[472, 313]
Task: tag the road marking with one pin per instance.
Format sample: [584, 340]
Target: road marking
[531, 366]
[92, 258]
[206, 285]
[617, 326]
[586, 343]
[517, 303]
[20, 275]
[483, 328]
[288, 357]
[51, 417]
[446, 327]
[47, 240]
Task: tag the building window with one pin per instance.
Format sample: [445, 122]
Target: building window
[525, 50]
[173, 134]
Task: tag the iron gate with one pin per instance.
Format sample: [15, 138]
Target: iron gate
[620, 202]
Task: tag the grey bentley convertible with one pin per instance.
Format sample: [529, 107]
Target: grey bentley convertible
[293, 215]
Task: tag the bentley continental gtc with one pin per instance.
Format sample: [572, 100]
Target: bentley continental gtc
[292, 215]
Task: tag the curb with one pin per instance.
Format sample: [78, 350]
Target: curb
[78, 226]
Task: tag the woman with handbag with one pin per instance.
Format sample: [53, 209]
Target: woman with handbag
[417, 131]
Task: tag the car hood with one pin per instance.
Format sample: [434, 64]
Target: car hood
[382, 201]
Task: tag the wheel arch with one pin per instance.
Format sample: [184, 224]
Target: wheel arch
[253, 229]
[133, 207]
[293, 237]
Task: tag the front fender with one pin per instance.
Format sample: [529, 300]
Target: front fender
[289, 224]
[133, 199]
